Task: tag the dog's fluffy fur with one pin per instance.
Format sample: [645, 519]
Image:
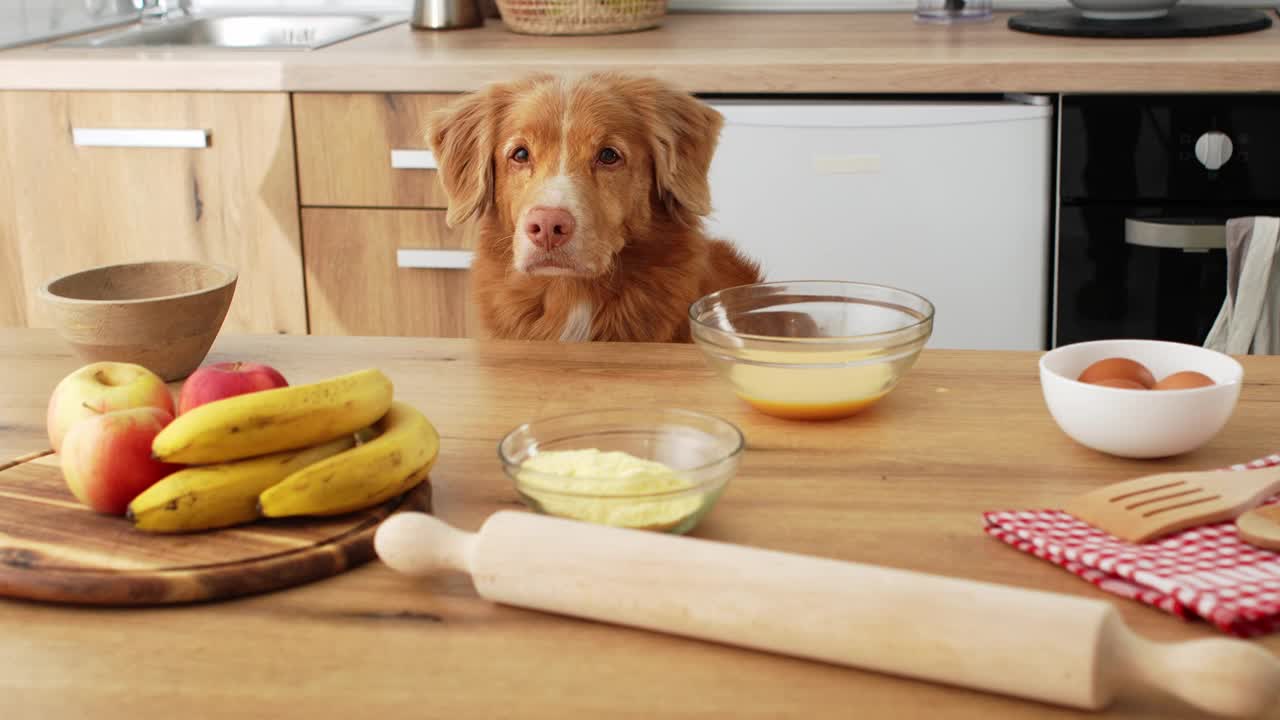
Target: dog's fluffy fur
[638, 256]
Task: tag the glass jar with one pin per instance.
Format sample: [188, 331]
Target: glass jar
[948, 11]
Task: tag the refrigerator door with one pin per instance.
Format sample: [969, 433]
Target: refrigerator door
[950, 200]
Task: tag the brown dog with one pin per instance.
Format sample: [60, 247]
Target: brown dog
[590, 196]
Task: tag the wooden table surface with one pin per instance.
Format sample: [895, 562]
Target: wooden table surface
[903, 485]
[711, 53]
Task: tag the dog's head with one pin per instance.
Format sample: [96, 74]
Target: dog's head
[573, 169]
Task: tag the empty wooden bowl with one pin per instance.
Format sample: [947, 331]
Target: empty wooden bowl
[162, 315]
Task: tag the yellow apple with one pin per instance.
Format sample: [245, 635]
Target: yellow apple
[100, 388]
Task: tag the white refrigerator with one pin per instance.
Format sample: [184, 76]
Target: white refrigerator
[951, 200]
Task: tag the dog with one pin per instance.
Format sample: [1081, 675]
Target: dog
[589, 196]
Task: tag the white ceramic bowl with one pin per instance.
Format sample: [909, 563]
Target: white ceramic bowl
[1140, 423]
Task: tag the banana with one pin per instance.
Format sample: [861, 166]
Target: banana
[202, 497]
[388, 492]
[268, 421]
[393, 462]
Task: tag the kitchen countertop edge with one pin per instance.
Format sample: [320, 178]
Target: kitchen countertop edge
[757, 54]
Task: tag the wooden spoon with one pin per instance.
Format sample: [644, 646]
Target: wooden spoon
[1261, 527]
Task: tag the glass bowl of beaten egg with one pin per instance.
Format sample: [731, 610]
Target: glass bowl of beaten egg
[659, 470]
[812, 350]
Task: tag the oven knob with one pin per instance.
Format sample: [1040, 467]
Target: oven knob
[1213, 149]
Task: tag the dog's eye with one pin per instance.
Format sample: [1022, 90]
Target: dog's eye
[608, 156]
[520, 155]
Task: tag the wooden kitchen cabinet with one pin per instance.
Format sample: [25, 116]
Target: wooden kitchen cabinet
[65, 206]
[386, 272]
[380, 259]
[367, 149]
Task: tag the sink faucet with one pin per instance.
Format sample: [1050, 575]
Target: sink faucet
[160, 10]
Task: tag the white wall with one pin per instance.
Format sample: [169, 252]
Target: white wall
[77, 5]
[23, 18]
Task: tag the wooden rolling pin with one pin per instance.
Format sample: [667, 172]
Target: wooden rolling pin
[1054, 648]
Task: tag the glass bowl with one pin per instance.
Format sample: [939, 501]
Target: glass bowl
[700, 454]
[812, 350]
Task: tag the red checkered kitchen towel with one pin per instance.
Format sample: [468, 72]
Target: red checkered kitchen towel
[1205, 572]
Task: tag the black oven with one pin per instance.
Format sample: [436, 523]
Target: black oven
[1145, 186]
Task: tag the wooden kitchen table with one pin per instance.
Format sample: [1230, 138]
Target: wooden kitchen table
[902, 485]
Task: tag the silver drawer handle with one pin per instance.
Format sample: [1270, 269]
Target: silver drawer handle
[413, 160]
[141, 138]
[1188, 237]
[434, 259]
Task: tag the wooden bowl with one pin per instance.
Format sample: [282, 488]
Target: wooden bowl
[161, 315]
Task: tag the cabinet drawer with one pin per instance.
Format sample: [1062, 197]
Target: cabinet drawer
[386, 272]
[347, 143]
[98, 178]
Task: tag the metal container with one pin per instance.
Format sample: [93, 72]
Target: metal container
[446, 14]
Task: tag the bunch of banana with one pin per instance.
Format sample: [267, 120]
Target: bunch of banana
[326, 448]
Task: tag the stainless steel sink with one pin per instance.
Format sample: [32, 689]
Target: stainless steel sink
[274, 31]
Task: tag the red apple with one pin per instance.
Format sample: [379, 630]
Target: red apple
[106, 459]
[224, 380]
[100, 388]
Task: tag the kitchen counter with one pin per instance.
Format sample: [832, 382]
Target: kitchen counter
[708, 53]
[902, 485]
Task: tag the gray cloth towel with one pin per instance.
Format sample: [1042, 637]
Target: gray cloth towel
[1249, 322]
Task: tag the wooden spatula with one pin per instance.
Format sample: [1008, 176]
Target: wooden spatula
[1148, 507]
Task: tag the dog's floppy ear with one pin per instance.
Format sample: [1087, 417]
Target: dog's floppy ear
[462, 137]
[685, 132]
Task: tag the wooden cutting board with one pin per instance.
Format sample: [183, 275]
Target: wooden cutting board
[54, 549]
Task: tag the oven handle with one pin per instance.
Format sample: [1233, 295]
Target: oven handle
[1187, 237]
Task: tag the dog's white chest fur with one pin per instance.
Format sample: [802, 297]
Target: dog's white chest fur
[577, 326]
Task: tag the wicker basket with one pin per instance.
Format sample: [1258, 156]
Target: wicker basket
[581, 17]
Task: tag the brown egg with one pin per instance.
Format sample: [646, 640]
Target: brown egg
[1184, 380]
[1125, 383]
[1118, 368]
